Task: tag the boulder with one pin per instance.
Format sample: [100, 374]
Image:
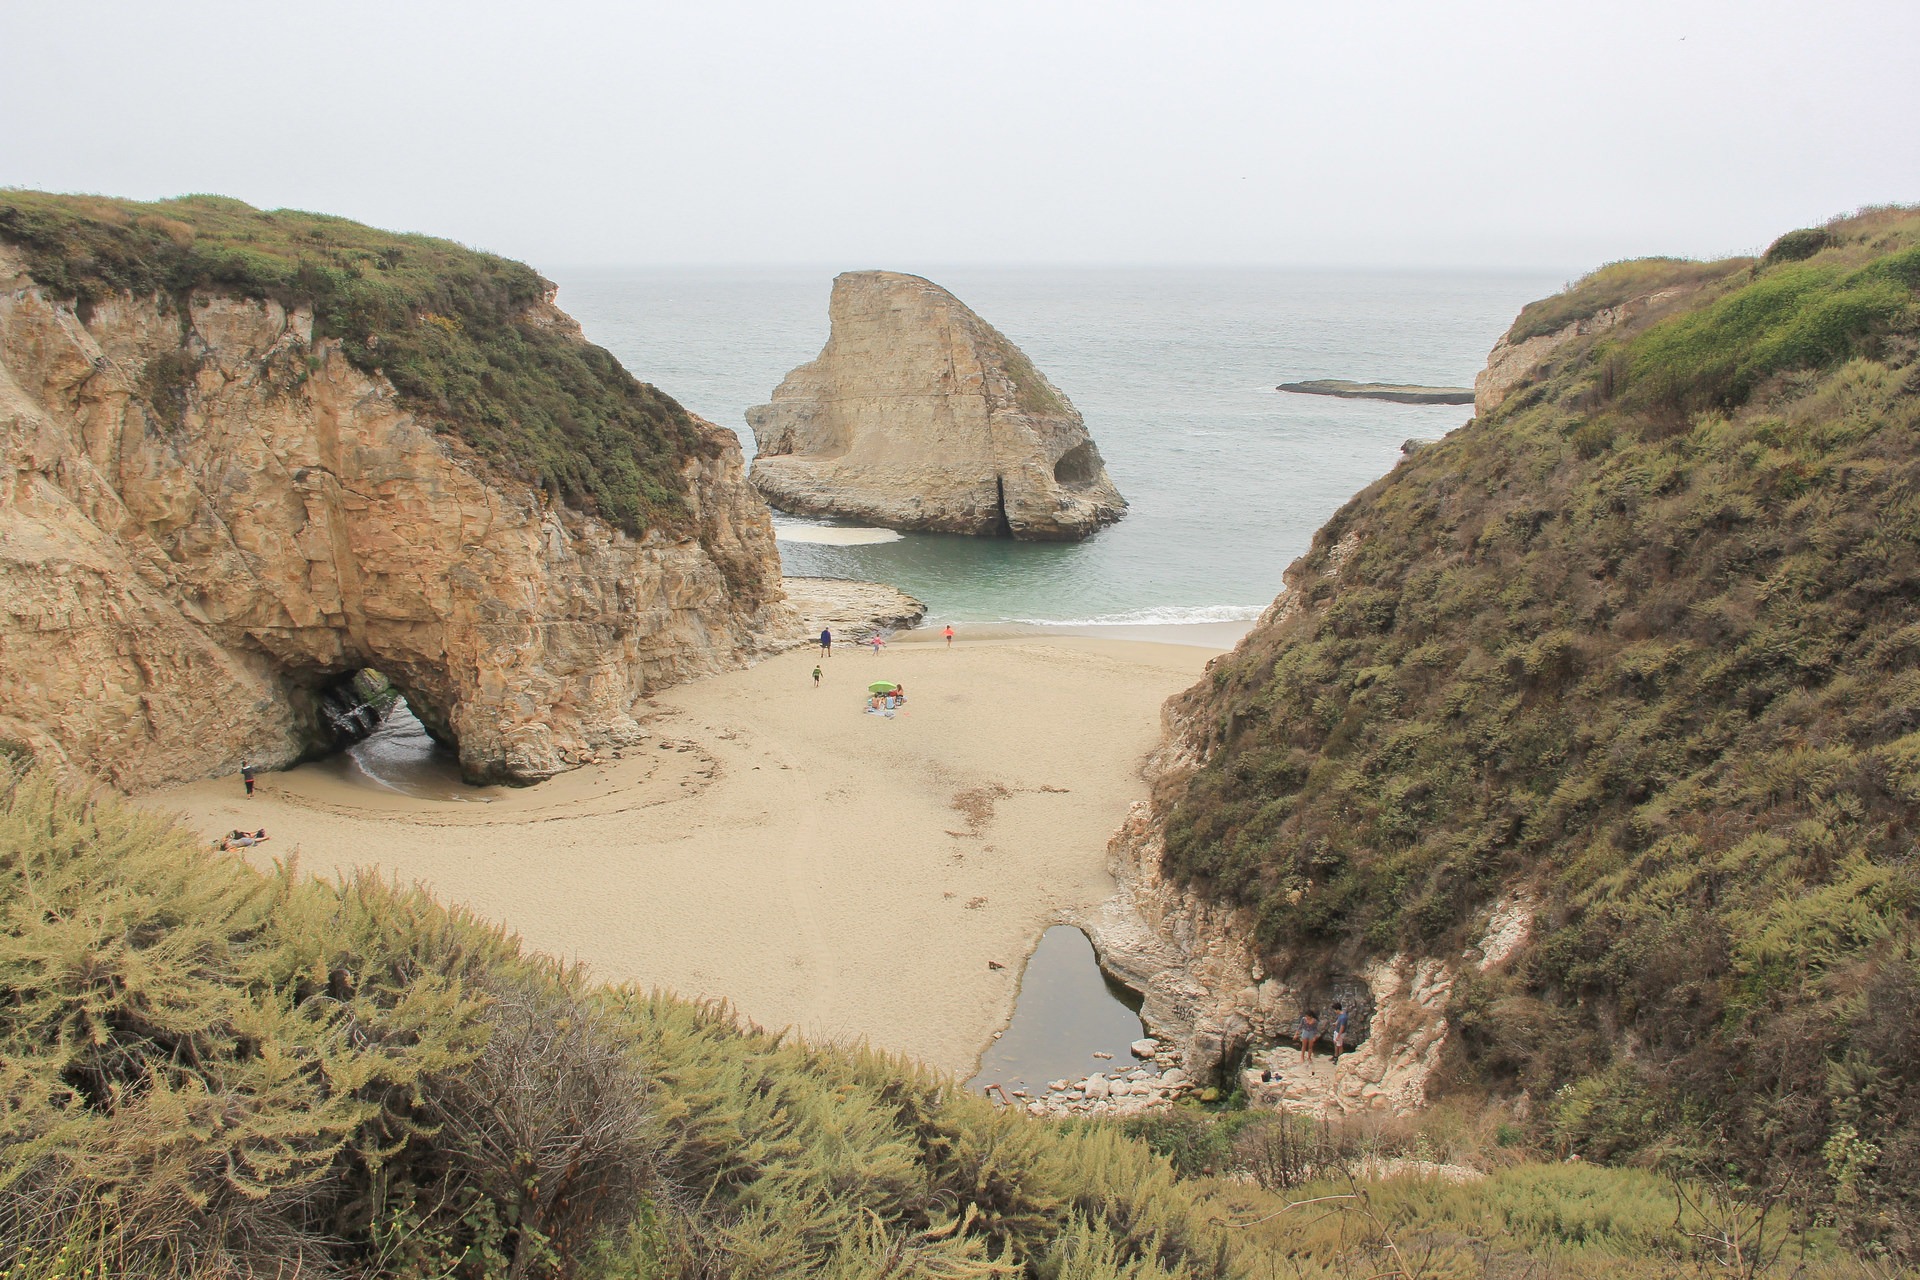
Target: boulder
[1098, 1087]
[1145, 1047]
[918, 414]
[1215, 1043]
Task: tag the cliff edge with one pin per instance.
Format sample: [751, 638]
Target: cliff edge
[218, 506]
[918, 414]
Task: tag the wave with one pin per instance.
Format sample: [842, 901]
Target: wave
[1156, 616]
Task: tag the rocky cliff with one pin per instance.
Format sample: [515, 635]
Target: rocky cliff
[918, 414]
[210, 516]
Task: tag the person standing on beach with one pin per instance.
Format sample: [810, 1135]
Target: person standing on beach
[826, 642]
[1309, 1036]
[949, 635]
[816, 675]
[246, 775]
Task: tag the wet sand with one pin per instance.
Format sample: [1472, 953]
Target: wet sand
[840, 873]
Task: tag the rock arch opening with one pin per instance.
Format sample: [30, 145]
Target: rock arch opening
[368, 733]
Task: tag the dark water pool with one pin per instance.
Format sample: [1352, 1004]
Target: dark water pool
[1067, 1009]
[400, 756]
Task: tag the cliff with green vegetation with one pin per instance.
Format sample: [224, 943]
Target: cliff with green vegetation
[1628, 667]
[211, 1071]
[248, 454]
[466, 338]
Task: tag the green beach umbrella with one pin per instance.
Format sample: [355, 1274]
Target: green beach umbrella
[882, 686]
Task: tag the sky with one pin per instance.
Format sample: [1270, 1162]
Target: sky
[1336, 133]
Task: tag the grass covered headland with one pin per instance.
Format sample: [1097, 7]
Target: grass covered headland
[1644, 644]
[450, 327]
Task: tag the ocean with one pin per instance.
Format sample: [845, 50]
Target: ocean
[1174, 371]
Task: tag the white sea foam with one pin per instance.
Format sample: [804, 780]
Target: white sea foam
[1156, 616]
[833, 535]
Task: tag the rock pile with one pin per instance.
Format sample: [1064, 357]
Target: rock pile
[1152, 1086]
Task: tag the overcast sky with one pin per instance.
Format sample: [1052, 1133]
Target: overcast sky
[846, 133]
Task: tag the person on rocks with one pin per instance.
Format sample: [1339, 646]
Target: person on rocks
[1339, 1031]
[816, 675]
[246, 775]
[826, 642]
[1309, 1035]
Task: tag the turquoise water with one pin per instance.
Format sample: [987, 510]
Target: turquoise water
[1174, 371]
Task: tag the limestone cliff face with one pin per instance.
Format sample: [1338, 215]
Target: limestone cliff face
[206, 518]
[918, 414]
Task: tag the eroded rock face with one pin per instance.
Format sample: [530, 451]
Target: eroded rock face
[918, 414]
[181, 571]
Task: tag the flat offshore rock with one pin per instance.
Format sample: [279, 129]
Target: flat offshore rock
[1398, 392]
[920, 415]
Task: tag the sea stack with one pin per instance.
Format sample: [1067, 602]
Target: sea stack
[920, 415]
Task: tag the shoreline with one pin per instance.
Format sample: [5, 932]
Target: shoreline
[844, 875]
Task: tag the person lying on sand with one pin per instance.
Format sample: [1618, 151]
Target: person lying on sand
[244, 839]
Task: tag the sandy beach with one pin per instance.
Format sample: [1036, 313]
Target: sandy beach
[839, 873]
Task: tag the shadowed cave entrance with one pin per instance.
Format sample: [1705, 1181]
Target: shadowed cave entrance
[1078, 466]
[367, 735]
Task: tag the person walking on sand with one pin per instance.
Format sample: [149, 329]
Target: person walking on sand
[949, 635]
[1309, 1035]
[246, 775]
[826, 642]
[816, 675]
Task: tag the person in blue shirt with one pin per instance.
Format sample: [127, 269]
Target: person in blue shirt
[1339, 1032]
